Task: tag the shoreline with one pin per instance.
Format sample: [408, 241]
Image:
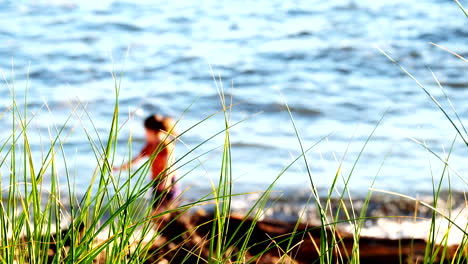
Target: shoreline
[185, 238]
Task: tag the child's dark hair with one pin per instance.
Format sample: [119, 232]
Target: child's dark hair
[159, 123]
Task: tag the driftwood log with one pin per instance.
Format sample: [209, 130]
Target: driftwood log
[274, 236]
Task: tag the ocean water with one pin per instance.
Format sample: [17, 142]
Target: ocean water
[321, 58]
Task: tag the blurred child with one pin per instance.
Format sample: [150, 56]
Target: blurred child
[159, 133]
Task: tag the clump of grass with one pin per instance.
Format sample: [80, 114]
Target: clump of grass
[435, 248]
[35, 225]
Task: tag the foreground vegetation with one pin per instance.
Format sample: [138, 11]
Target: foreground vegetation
[112, 222]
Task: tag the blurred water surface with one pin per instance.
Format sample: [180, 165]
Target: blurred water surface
[319, 57]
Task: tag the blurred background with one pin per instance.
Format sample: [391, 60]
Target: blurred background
[318, 56]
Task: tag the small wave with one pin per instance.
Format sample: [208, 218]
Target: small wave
[343, 70]
[256, 72]
[304, 110]
[286, 56]
[249, 72]
[6, 34]
[153, 69]
[88, 39]
[438, 35]
[300, 12]
[456, 85]
[180, 20]
[126, 27]
[103, 27]
[352, 106]
[57, 4]
[277, 108]
[41, 74]
[339, 52]
[150, 108]
[350, 6]
[251, 145]
[185, 59]
[300, 34]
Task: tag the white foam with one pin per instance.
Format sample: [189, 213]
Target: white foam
[452, 231]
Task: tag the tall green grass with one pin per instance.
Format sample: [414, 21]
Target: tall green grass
[434, 247]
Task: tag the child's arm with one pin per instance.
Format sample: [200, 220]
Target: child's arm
[128, 164]
[143, 153]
